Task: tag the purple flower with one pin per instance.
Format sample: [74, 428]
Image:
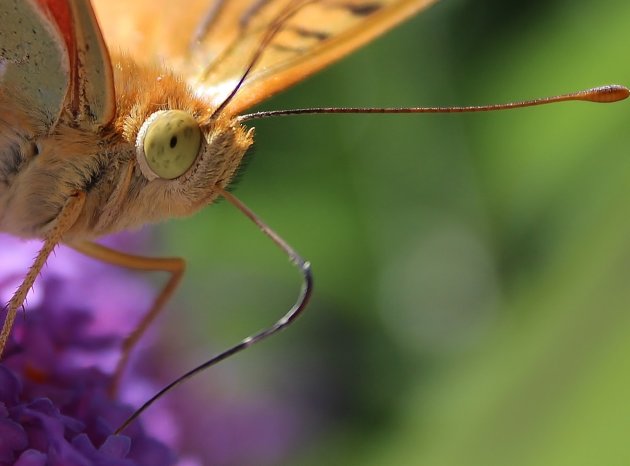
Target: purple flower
[55, 408]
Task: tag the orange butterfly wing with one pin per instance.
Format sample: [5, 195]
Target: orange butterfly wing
[212, 43]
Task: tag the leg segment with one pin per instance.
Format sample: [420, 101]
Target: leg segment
[174, 266]
[68, 215]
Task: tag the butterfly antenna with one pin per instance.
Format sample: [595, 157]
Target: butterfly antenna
[601, 94]
[274, 28]
[293, 313]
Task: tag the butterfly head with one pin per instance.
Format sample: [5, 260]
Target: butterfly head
[180, 154]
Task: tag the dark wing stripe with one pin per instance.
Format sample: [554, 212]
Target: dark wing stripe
[251, 27]
[207, 22]
[362, 10]
[252, 12]
[288, 48]
[308, 33]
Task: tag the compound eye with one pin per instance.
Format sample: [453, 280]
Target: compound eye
[171, 143]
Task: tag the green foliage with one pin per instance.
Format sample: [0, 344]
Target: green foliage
[472, 271]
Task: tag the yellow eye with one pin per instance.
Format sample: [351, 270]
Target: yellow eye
[171, 143]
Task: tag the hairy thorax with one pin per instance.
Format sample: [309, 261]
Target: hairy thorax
[40, 169]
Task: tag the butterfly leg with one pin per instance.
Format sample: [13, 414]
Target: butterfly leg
[64, 221]
[174, 266]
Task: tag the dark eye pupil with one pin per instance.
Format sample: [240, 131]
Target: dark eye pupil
[173, 142]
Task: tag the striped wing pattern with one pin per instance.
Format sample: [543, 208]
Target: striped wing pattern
[211, 44]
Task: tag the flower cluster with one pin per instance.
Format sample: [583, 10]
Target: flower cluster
[55, 405]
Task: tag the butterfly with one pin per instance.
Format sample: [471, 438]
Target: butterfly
[113, 116]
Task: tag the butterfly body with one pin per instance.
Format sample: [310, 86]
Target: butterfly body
[106, 127]
[73, 100]
[40, 169]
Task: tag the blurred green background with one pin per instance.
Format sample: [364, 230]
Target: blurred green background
[472, 272]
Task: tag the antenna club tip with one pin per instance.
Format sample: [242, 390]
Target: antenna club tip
[606, 94]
